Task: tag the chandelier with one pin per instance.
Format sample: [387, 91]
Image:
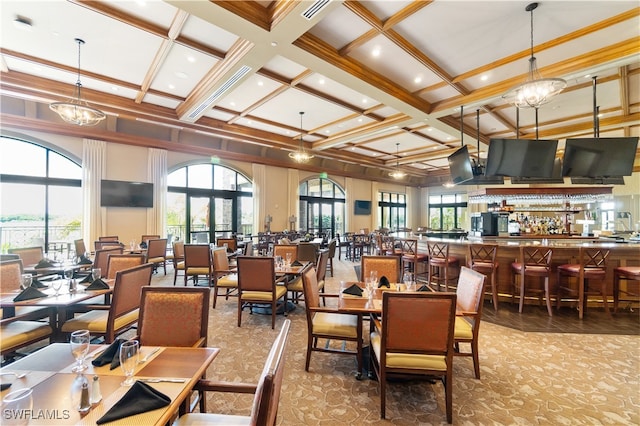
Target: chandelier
[300, 156]
[76, 110]
[535, 91]
[397, 173]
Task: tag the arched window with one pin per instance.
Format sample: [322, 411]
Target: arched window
[322, 207]
[40, 198]
[207, 201]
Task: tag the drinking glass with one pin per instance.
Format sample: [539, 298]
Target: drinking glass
[79, 348]
[68, 274]
[278, 262]
[374, 277]
[370, 284]
[56, 284]
[96, 273]
[129, 360]
[16, 407]
[27, 279]
[288, 256]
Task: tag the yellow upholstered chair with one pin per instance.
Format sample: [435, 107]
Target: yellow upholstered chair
[470, 293]
[18, 334]
[415, 339]
[388, 266]
[157, 253]
[177, 259]
[332, 253]
[324, 324]
[266, 392]
[101, 258]
[118, 262]
[295, 286]
[10, 281]
[257, 285]
[29, 255]
[283, 249]
[224, 276]
[232, 244]
[145, 238]
[198, 263]
[124, 309]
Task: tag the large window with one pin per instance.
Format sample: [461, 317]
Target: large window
[322, 207]
[207, 201]
[40, 198]
[392, 209]
[447, 211]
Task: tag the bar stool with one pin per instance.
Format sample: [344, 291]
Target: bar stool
[410, 257]
[629, 273]
[592, 266]
[439, 263]
[534, 262]
[482, 258]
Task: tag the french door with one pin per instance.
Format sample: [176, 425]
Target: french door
[211, 217]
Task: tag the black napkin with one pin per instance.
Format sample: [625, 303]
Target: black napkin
[139, 399]
[353, 290]
[384, 282]
[296, 263]
[44, 263]
[28, 294]
[84, 261]
[97, 285]
[87, 279]
[110, 355]
[4, 386]
[37, 284]
[424, 288]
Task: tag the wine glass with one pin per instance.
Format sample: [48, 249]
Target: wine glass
[96, 273]
[79, 348]
[27, 279]
[18, 401]
[56, 284]
[374, 277]
[288, 256]
[129, 360]
[68, 274]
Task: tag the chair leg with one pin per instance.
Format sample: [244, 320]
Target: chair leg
[547, 294]
[383, 390]
[448, 391]
[603, 290]
[581, 298]
[521, 292]
[215, 296]
[476, 358]
[494, 290]
[309, 350]
[239, 310]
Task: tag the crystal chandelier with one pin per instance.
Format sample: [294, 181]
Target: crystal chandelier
[301, 155]
[535, 91]
[77, 110]
[397, 173]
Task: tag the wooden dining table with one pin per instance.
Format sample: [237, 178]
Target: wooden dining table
[171, 370]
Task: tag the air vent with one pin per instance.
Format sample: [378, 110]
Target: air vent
[220, 91]
[314, 9]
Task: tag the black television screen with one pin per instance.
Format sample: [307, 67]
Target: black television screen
[460, 166]
[556, 176]
[362, 207]
[599, 157]
[521, 157]
[115, 193]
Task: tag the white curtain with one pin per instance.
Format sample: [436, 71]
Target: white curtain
[348, 200]
[94, 166]
[157, 173]
[259, 196]
[375, 211]
[293, 182]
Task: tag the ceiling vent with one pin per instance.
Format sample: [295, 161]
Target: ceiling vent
[219, 92]
[314, 9]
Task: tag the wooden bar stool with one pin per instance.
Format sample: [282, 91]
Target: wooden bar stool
[534, 262]
[410, 257]
[592, 266]
[629, 273]
[482, 258]
[439, 263]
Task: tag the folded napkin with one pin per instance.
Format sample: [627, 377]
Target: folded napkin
[84, 261]
[296, 263]
[424, 288]
[37, 284]
[139, 399]
[110, 355]
[353, 290]
[87, 279]
[4, 386]
[384, 282]
[28, 294]
[44, 263]
[97, 285]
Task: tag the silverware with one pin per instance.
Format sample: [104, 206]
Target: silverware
[147, 356]
[169, 380]
[13, 373]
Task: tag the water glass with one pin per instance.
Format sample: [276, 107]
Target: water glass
[96, 273]
[278, 262]
[129, 360]
[17, 406]
[56, 284]
[288, 257]
[27, 279]
[79, 341]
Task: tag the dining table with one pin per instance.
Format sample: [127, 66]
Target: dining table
[173, 371]
[56, 268]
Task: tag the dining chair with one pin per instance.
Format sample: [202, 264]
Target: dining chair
[224, 276]
[109, 238]
[99, 245]
[469, 292]
[16, 334]
[627, 274]
[266, 392]
[414, 339]
[145, 238]
[283, 249]
[534, 262]
[307, 252]
[79, 247]
[177, 259]
[232, 244]
[29, 255]
[101, 258]
[343, 242]
[10, 281]
[257, 285]
[412, 260]
[332, 253]
[323, 323]
[482, 258]
[124, 309]
[198, 263]
[157, 253]
[296, 287]
[388, 266]
[118, 262]
[247, 249]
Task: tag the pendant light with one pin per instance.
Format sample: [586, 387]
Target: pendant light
[76, 110]
[535, 91]
[397, 173]
[301, 155]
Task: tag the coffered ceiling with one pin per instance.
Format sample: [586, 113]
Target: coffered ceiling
[230, 78]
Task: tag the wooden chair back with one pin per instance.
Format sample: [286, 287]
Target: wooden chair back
[256, 274]
[174, 316]
[232, 244]
[197, 261]
[535, 259]
[156, 248]
[220, 260]
[321, 265]
[29, 255]
[99, 245]
[332, 247]
[469, 293]
[307, 252]
[118, 262]
[109, 238]
[388, 266]
[79, 247]
[311, 293]
[126, 296]
[594, 258]
[283, 249]
[248, 249]
[101, 258]
[145, 238]
[178, 252]
[481, 254]
[437, 250]
[10, 275]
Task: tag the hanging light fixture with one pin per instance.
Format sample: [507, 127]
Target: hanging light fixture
[301, 155]
[397, 173]
[535, 91]
[77, 110]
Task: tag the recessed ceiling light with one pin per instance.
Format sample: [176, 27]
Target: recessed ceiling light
[484, 77]
[327, 131]
[232, 103]
[587, 76]
[114, 88]
[353, 148]
[360, 120]
[429, 129]
[181, 75]
[191, 59]
[171, 86]
[375, 52]
[321, 81]
[274, 44]
[448, 138]
[260, 83]
[141, 3]
[364, 101]
[417, 80]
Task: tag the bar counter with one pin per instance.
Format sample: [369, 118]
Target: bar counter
[565, 250]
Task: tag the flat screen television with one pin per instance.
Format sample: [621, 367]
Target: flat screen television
[460, 166]
[599, 157]
[116, 193]
[362, 207]
[521, 157]
[611, 180]
[556, 177]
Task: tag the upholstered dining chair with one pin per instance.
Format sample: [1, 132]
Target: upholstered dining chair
[307, 252]
[101, 258]
[323, 323]
[123, 311]
[16, 334]
[415, 339]
[534, 262]
[627, 274]
[224, 276]
[177, 259]
[79, 247]
[257, 285]
[109, 238]
[145, 238]
[388, 266]
[198, 263]
[283, 249]
[266, 392]
[10, 281]
[157, 253]
[99, 245]
[29, 255]
[470, 292]
[232, 244]
[295, 286]
[118, 262]
[332, 253]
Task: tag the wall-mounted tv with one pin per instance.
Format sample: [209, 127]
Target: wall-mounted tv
[556, 176]
[116, 193]
[599, 157]
[460, 166]
[521, 157]
[362, 207]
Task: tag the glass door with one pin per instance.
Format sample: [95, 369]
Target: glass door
[200, 218]
[320, 218]
[223, 217]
